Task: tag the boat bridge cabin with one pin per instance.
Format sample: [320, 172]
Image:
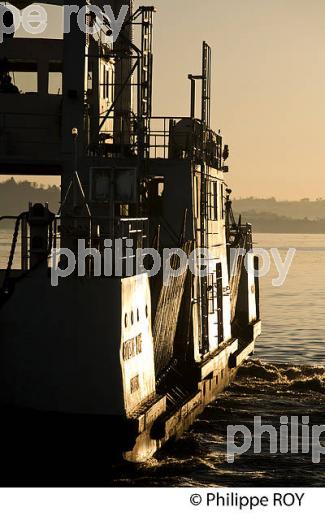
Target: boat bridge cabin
[31, 119]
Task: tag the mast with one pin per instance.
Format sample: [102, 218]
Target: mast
[123, 78]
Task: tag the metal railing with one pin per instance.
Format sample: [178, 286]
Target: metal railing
[184, 138]
[168, 138]
[127, 236]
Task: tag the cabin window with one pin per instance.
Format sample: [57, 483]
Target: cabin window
[107, 83]
[211, 293]
[90, 81]
[100, 184]
[55, 77]
[213, 203]
[107, 185]
[55, 83]
[155, 193]
[111, 80]
[210, 203]
[222, 202]
[25, 81]
[215, 200]
[219, 295]
[196, 198]
[125, 185]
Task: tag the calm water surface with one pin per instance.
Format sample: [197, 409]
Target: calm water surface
[293, 315]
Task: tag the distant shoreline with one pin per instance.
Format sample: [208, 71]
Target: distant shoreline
[266, 215]
[287, 232]
[272, 223]
[286, 226]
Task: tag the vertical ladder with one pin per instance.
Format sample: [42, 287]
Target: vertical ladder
[204, 217]
[145, 83]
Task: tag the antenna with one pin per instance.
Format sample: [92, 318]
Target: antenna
[206, 84]
[206, 87]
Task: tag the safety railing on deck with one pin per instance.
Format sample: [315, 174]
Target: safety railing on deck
[126, 236]
[168, 138]
[184, 138]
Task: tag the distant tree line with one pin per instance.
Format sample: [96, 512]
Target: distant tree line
[15, 196]
[271, 223]
[266, 215]
[275, 216]
[296, 209]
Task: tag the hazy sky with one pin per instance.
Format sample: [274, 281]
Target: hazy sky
[268, 85]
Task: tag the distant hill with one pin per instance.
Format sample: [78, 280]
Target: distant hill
[266, 215]
[271, 223]
[297, 209]
[274, 216]
[14, 197]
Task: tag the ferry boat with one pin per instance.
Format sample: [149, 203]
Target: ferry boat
[117, 364]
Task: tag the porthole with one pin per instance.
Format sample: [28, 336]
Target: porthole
[138, 315]
[132, 318]
[146, 310]
[125, 320]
